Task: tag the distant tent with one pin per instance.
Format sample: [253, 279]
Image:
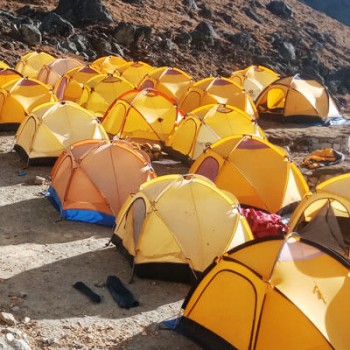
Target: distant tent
[271, 294]
[100, 91]
[52, 71]
[8, 74]
[177, 224]
[142, 115]
[18, 98]
[257, 172]
[324, 218]
[30, 64]
[207, 125]
[254, 79]
[70, 85]
[92, 179]
[53, 127]
[108, 64]
[293, 99]
[171, 81]
[339, 185]
[134, 71]
[217, 90]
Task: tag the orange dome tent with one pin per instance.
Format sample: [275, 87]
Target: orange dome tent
[92, 179]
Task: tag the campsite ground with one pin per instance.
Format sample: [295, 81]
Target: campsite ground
[42, 257]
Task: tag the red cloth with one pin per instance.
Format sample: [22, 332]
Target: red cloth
[263, 224]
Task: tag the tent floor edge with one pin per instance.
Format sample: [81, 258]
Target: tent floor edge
[202, 336]
[41, 161]
[172, 272]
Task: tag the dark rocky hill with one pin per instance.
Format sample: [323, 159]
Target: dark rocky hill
[204, 38]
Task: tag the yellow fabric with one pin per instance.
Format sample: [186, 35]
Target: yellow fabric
[333, 231]
[258, 173]
[3, 65]
[217, 90]
[99, 92]
[293, 96]
[172, 82]
[7, 75]
[212, 123]
[142, 114]
[134, 72]
[297, 300]
[190, 220]
[54, 126]
[228, 305]
[339, 185]
[108, 64]
[70, 85]
[52, 71]
[31, 63]
[292, 332]
[254, 79]
[320, 157]
[19, 97]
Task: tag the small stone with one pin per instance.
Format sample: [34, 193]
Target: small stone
[8, 318]
[10, 338]
[26, 320]
[39, 180]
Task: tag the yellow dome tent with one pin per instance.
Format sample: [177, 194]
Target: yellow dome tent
[258, 173]
[177, 224]
[108, 64]
[142, 115]
[217, 90]
[92, 179]
[52, 71]
[100, 91]
[19, 97]
[208, 124]
[271, 294]
[53, 127]
[171, 81]
[339, 185]
[30, 64]
[324, 217]
[293, 99]
[254, 79]
[9, 74]
[134, 71]
[70, 85]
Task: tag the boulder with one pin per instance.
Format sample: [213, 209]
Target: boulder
[84, 11]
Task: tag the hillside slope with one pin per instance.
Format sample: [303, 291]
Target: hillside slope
[204, 38]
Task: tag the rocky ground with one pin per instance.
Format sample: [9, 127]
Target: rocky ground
[42, 257]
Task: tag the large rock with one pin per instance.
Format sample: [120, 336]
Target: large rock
[204, 32]
[84, 11]
[280, 8]
[30, 34]
[55, 24]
